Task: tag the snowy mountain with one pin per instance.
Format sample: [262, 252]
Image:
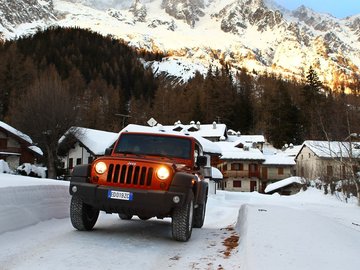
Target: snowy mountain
[194, 34]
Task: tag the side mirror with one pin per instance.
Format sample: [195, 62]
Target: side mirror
[108, 151]
[201, 161]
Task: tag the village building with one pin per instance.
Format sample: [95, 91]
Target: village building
[82, 145]
[327, 160]
[240, 166]
[213, 132]
[245, 167]
[287, 186]
[17, 148]
[276, 167]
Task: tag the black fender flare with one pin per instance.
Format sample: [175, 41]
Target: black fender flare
[201, 192]
[81, 174]
[182, 180]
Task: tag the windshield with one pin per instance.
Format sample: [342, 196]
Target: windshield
[145, 144]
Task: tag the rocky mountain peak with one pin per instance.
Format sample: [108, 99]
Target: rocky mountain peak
[355, 26]
[186, 10]
[244, 13]
[256, 34]
[139, 11]
[16, 12]
[314, 20]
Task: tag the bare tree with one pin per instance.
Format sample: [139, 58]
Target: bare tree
[45, 112]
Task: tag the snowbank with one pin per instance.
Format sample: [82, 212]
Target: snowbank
[4, 167]
[242, 230]
[26, 201]
[32, 170]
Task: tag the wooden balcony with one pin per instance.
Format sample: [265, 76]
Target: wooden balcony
[240, 174]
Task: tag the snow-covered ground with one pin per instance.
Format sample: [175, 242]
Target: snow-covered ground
[241, 231]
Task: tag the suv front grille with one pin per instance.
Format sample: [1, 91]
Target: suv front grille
[129, 175]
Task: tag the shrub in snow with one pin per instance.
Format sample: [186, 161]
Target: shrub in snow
[28, 169]
[4, 167]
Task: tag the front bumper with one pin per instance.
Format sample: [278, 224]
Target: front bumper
[148, 203]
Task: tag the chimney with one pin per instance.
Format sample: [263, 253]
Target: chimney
[198, 125]
[214, 125]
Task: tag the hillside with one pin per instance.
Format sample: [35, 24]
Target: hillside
[255, 34]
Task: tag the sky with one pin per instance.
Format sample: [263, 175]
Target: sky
[337, 8]
[242, 230]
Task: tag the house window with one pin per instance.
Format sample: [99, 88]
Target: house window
[71, 163]
[309, 155]
[280, 171]
[355, 169]
[329, 171]
[237, 183]
[78, 161]
[224, 167]
[90, 159]
[237, 167]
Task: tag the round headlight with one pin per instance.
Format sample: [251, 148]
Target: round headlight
[163, 173]
[100, 167]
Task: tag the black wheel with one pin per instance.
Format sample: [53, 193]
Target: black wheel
[125, 216]
[182, 220]
[83, 216]
[199, 215]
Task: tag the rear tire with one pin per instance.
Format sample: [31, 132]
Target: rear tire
[182, 220]
[199, 215]
[83, 216]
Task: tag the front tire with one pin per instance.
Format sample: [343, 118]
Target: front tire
[182, 220]
[83, 216]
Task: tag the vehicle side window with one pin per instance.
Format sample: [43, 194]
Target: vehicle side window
[197, 152]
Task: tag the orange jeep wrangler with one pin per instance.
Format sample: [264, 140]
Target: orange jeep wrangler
[145, 174]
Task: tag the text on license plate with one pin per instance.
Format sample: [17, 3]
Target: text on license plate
[120, 195]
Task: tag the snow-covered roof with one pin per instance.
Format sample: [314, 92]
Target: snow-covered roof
[292, 150]
[208, 146]
[202, 130]
[94, 140]
[279, 159]
[36, 150]
[249, 139]
[269, 149]
[216, 174]
[333, 149]
[15, 132]
[283, 183]
[229, 151]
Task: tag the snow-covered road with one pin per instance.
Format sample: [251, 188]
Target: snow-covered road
[305, 231]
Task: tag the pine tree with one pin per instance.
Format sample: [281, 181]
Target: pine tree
[283, 122]
[311, 106]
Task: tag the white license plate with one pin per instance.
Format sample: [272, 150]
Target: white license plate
[120, 195]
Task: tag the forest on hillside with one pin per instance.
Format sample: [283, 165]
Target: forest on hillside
[63, 77]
